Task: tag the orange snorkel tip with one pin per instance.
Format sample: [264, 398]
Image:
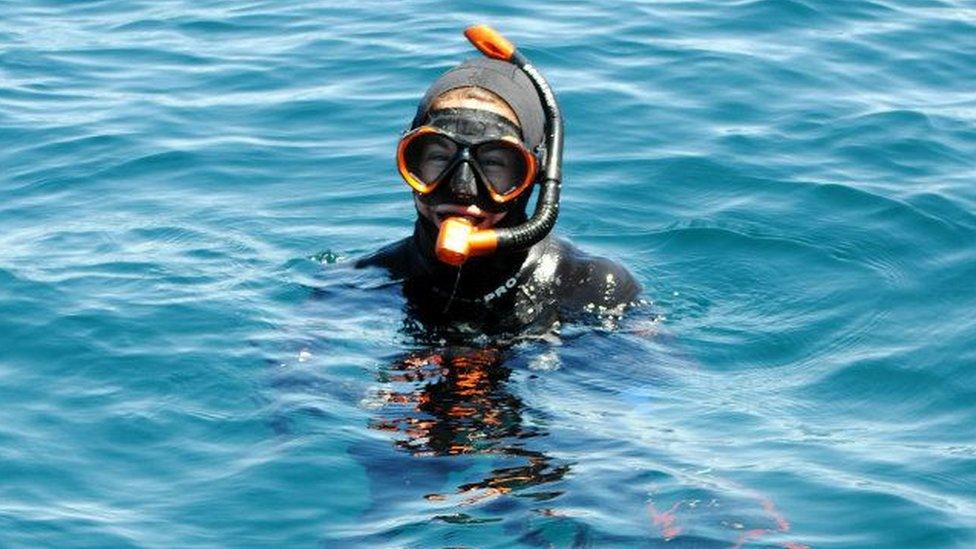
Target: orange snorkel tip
[459, 240]
[490, 42]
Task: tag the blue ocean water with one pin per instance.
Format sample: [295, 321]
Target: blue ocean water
[186, 358]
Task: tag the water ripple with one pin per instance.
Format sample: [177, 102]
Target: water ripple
[791, 181]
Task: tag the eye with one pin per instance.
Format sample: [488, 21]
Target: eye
[428, 155]
[438, 155]
[437, 149]
[502, 164]
[494, 157]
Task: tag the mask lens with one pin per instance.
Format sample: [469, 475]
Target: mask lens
[503, 164]
[428, 155]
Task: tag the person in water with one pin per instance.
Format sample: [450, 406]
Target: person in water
[487, 133]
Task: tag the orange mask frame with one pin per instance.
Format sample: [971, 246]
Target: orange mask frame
[415, 182]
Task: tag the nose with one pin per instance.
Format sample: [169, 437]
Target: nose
[464, 186]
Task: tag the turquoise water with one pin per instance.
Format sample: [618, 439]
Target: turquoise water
[186, 358]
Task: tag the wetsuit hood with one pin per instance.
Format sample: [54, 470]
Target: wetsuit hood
[504, 80]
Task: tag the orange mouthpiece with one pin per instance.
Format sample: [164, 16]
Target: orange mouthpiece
[459, 240]
[490, 42]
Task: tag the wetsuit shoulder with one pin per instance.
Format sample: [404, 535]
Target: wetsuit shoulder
[394, 257]
[594, 283]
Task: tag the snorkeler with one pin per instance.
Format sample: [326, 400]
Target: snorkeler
[485, 134]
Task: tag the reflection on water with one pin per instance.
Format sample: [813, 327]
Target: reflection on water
[454, 401]
[461, 438]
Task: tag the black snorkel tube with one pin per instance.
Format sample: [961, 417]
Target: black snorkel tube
[458, 240]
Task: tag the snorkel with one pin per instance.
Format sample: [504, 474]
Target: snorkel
[458, 239]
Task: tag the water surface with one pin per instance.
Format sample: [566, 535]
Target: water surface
[186, 358]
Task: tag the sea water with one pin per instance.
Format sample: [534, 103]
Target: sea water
[187, 358]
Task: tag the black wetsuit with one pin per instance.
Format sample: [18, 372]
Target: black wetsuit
[527, 291]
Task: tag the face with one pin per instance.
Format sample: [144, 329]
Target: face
[460, 194]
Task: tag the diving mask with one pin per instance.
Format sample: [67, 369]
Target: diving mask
[487, 142]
